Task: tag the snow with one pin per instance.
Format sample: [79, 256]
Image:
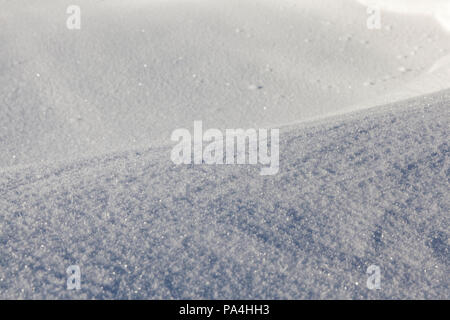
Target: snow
[439, 9]
[232, 63]
[85, 171]
[368, 189]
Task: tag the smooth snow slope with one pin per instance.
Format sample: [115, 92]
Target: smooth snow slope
[139, 69]
[366, 188]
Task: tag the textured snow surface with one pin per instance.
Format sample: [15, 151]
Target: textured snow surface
[85, 171]
[368, 188]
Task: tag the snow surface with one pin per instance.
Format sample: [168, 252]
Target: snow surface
[85, 171]
[368, 189]
[439, 9]
[139, 69]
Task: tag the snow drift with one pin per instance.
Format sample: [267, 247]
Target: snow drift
[85, 171]
[367, 189]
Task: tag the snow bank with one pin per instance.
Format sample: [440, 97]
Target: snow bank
[85, 171]
[137, 70]
[370, 188]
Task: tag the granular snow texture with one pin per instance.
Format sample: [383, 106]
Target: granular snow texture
[368, 188]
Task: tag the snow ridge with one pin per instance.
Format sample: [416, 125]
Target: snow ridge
[370, 188]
